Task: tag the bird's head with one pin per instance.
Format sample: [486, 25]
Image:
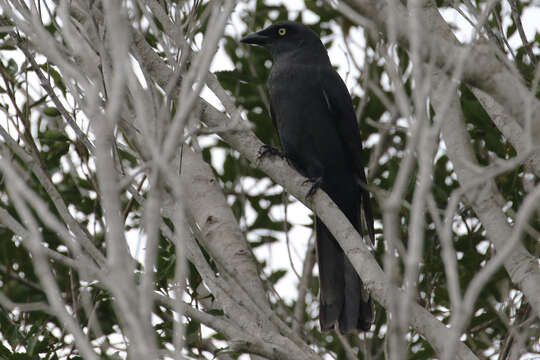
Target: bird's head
[287, 37]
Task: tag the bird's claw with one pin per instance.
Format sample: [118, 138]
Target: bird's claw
[266, 150]
[315, 184]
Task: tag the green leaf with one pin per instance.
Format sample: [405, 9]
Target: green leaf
[127, 156]
[4, 352]
[12, 67]
[57, 78]
[276, 275]
[52, 135]
[511, 29]
[51, 111]
[19, 356]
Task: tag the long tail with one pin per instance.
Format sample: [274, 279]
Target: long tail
[344, 301]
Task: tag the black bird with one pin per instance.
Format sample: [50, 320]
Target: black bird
[313, 114]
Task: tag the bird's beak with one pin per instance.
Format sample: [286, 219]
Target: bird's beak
[255, 39]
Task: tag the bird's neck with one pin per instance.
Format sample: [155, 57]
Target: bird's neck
[305, 56]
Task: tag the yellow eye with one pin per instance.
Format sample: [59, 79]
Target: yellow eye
[282, 31]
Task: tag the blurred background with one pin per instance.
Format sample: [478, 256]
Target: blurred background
[62, 100]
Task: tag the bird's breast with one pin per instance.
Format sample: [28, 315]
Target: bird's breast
[296, 93]
[304, 121]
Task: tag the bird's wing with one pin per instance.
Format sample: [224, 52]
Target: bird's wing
[273, 117]
[340, 105]
[274, 122]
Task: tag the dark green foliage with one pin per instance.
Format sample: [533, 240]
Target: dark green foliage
[256, 201]
[246, 83]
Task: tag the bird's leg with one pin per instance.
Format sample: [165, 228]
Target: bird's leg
[315, 182]
[266, 150]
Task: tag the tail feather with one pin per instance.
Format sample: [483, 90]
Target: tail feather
[352, 298]
[345, 303]
[331, 267]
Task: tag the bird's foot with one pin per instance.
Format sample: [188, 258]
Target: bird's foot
[266, 150]
[315, 184]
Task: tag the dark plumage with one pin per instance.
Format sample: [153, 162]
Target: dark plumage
[313, 114]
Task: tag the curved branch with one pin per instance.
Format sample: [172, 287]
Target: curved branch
[481, 65]
[520, 265]
[363, 261]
